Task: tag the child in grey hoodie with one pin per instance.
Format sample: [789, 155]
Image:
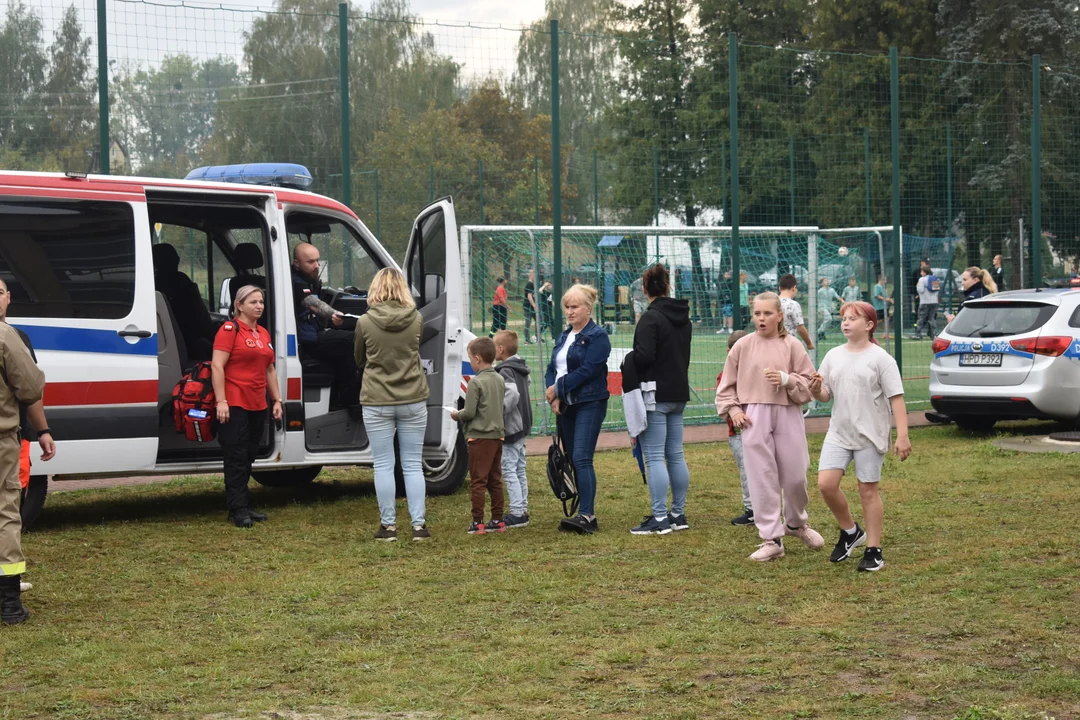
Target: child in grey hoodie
[517, 417]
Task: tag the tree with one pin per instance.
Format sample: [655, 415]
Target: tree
[22, 57]
[70, 95]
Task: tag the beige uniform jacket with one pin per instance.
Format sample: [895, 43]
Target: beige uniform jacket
[23, 380]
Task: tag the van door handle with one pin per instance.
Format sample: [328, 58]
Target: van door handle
[134, 333]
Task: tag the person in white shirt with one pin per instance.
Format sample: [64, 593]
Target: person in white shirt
[927, 290]
[793, 316]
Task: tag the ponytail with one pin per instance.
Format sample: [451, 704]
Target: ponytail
[988, 281]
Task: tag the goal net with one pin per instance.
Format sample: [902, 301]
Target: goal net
[701, 261]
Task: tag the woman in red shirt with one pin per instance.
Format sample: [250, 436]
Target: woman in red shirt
[243, 371]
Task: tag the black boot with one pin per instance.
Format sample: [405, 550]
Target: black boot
[257, 516]
[241, 518]
[12, 611]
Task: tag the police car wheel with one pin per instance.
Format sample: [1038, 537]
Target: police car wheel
[973, 423]
[442, 478]
[293, 477]
[33, 499]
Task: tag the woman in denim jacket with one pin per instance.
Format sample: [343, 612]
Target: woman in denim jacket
[577, 389]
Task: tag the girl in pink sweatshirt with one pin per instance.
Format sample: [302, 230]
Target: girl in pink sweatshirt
[766, 381]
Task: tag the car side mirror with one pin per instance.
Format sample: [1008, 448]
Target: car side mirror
[433, 286]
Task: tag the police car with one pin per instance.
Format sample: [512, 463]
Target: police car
[1008, 356]
[114, 333]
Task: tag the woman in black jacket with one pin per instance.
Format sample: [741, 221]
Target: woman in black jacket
[977, 283]
[662, 355]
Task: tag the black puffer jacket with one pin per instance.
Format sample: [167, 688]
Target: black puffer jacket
[662, 348]
[975, 292]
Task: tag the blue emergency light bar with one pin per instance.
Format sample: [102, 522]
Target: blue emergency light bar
[289, 175]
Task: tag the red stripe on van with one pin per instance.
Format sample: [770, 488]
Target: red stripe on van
[73, 193]
[118, 392]
[294, 390]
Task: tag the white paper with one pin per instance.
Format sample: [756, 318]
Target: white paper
[428, 365]
[449, 408]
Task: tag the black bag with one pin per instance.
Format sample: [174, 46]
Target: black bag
[561, 474]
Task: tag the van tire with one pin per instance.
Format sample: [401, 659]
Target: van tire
[293, 477]
[33, 499]
[444, 480]
[974, 423]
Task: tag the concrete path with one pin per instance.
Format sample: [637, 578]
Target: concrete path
[534, 446]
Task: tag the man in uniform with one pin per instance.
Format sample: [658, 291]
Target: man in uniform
[21, 381]
[332, 345]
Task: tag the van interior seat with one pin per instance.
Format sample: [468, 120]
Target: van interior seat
[246, 257]
[190, 315]
[172, 352]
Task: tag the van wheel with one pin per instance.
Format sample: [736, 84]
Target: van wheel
[33, 499]
[293, 477]
[973, 423]
[442, 478]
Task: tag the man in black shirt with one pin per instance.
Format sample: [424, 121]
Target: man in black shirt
[529, 303]
[998, 274]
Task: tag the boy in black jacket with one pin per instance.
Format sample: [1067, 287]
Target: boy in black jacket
[518, 420]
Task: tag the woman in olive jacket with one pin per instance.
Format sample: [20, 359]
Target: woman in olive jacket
[394, 397]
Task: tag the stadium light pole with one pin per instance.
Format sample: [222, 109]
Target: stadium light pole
[343, 71]
[1036, 172]
[733, 120]
[898, 310]
[103, 88]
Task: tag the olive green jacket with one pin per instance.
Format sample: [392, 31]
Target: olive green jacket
[388, 351]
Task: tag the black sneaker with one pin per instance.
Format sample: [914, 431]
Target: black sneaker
[516, 521]
[420, 532]
[257, 516]
[386, 533]
[477, 528]
[747, 518]
[871, 560]
[847, 543]
[578, 524]
[240, 518]
[652, 526]
[678, 522]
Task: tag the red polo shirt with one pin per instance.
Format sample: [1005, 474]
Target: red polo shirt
[250, 353]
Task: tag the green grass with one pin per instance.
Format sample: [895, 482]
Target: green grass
[147, 604]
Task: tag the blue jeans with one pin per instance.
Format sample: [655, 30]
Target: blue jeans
[580, 428]
[662, 446]
[408, 422]
[514, 480]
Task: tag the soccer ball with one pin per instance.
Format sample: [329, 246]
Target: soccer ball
[842, 251]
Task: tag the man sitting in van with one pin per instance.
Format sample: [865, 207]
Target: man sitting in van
[331, 344]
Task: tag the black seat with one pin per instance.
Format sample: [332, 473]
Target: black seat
[188, 309]
[316, 373]
[246, 256]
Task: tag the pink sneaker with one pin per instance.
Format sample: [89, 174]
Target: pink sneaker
[767, 551]
[810, 537]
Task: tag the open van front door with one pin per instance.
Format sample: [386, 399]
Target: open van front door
[433, 270]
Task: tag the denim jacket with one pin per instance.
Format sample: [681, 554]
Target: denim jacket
[586, 366]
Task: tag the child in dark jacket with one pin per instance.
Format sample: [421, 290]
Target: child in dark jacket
[517, 417]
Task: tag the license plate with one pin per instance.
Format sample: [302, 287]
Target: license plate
[980, 360]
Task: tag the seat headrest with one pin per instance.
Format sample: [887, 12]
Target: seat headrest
[165, 258]
[248, 256]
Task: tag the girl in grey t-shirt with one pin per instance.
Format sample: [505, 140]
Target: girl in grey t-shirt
[864, 383]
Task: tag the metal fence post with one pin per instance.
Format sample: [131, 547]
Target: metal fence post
[733, 120]
[556, 175]
[1036, 172]
[343, 72]
[378, 223]
[791, 163]
[481, 191]
[431, 183]
[595, 189]
[656, 196]
[898, 275]
[536, 188]
[723, 183]
[103, 89]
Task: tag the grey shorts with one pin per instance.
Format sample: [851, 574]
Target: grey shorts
[868, 461]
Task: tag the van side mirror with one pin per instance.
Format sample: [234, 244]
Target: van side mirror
[433, 286]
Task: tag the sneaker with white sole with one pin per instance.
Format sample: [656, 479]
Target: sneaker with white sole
[871, 560]
[768, 550]
[652, 526]
[678, 522]
[810, 537]
[386, 533]
[847, 543]
[420, 532]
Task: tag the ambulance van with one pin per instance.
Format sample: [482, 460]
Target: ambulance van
[92, 265]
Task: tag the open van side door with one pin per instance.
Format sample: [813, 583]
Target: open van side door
[76, 256]
[433, 270]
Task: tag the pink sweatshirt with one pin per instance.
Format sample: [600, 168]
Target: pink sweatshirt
[744, 382]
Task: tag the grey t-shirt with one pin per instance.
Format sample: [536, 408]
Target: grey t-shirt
[861, 384]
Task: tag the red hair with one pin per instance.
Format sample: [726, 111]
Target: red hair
[864, 310]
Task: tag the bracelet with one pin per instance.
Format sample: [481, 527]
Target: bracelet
[277, 400]
[222, 402]
[46, 431]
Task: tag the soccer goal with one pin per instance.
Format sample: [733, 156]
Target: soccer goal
[702, 261]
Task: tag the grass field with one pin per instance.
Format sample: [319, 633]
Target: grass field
[147, 604]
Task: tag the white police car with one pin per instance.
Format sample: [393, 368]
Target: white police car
[1008, 356]
[116, 282]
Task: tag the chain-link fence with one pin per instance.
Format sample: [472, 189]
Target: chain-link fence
[663, 118]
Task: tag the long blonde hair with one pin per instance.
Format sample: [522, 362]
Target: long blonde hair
[587, 293]
[772, 297]
[389, 285]
[984, 277]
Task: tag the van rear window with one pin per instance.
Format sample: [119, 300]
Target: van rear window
[68, 258]
[998, 319]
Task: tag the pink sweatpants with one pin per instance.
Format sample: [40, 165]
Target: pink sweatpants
[777, 461]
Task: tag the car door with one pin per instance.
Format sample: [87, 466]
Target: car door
[76, 256]
[433, 270]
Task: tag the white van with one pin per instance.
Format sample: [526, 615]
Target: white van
[113, 337]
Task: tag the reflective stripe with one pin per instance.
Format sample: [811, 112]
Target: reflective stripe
[13, 568]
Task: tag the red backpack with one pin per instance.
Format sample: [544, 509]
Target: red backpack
[194, 407]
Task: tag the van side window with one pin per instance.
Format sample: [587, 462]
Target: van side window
[344, 261]
[68, 258]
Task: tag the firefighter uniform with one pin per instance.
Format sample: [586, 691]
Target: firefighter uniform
[21, 380]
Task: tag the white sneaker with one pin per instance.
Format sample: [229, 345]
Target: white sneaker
[24, 586]
[768, 550]
[810, 537]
